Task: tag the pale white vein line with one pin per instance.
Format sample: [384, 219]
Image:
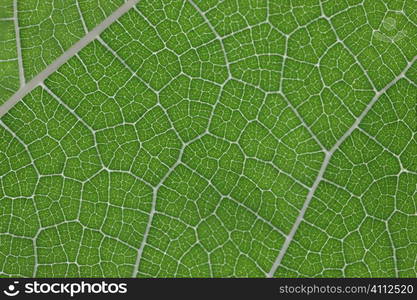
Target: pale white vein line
[81, 17]
[342, 42]
[217, 35]
[28, 87]
[153, 208]
[324, 165]
[18, 47]
[148, 225]
[370, 104]
[300, 217]
[115, 54]
[303, 122]
[410, 81]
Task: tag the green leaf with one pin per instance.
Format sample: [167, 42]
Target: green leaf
[208, 138]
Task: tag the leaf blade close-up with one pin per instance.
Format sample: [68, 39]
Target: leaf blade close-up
[208, 138]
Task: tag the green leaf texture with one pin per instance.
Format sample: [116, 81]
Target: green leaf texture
[33, 33]
[207, 138]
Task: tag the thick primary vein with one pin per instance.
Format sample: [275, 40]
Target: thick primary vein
[28, 87]
[326, 161]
